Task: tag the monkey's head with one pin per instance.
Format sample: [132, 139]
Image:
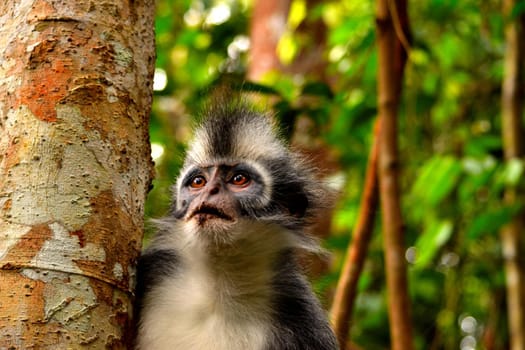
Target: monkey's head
[237, 171]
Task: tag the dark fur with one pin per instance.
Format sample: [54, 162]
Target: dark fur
[299, 316]
[299, 323]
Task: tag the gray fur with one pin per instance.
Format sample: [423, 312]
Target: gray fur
[231, 282]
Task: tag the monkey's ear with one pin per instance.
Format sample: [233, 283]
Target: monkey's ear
[297, 203]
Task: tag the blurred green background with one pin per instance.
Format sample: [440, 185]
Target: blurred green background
[453, 172]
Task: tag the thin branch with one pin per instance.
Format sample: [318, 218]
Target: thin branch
[399, 26]
[391, 63]
[513, 136]
[346, 291]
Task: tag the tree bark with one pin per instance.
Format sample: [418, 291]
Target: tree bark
[269, 22]
[392, 33]
[346, 290]
[75, 166]
[512, 129]
[267, 26]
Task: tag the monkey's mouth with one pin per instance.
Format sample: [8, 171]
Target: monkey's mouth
[204, 213]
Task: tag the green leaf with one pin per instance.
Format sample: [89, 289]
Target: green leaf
[491, 221]
[479, 146]
[187, 37]
[437, 179]
[479, 176]
[318, 88]
[432, 239]
[518, 10]
[512, 172]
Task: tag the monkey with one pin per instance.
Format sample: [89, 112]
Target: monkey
[221, 272]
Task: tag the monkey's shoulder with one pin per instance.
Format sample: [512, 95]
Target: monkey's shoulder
[153, 266]
[301, 320]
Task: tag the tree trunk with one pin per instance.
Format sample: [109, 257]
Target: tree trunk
[392, 29]
[512, 128]
[75, 166]
[346, 291]
[268, 24]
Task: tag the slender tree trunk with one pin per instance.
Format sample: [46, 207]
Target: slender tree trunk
[75, 89]
[267, 26]
[392, 29]
[346, 291]
[269, 23]
[512, 128]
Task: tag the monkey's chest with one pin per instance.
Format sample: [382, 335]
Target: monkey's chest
[191, 313]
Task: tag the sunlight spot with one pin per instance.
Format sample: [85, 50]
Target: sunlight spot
[160, 79]
[337, 53]
[468, 343]
[411, 255]
[157, 150]
[468, 325]
[218, 14]
[193, 18]
[240, 44]
[449, 260]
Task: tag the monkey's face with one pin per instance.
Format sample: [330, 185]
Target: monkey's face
[212, 199]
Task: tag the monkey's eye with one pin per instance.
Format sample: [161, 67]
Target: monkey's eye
[198, 182]
[240, 179]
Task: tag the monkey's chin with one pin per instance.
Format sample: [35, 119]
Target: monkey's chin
[213, 230]
[210, 220]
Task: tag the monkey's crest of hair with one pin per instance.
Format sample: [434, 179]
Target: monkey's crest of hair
[233, 132]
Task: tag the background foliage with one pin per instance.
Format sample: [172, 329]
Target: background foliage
[450, 136]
